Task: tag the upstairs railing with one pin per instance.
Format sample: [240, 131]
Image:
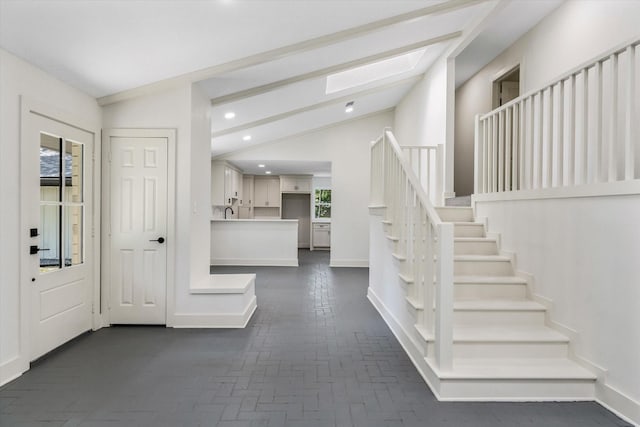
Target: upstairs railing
[427, 163]
[423, 245]
[580, 129]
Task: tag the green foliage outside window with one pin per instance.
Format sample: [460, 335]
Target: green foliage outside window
[322, 203]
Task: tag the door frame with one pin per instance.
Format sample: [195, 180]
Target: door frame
[170, 135]
[29, 106]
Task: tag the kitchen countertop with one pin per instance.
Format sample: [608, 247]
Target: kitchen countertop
[253, 220]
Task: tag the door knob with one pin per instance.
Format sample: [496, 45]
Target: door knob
[34, 250]
[159, 240]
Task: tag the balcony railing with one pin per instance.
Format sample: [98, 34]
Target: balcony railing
[580, 129]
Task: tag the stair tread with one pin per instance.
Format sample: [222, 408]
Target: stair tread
[399, 257]
[518, 368]
[481, 258]
[506, 333]
[392, 238]
[498, 305]
[424, 333]
[475, 239]
[415, 303]
[490, 279]
[468, 223]
[405, 278]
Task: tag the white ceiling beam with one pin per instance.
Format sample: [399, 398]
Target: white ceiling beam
[284, 51]
[287, 114]
[258, 90]
[228, 154]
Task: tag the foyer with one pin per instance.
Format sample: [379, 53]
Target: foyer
[316, 353]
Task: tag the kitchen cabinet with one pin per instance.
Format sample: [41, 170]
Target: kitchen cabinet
[266, 192]
[295, 184]
[321, 236]
[226, 184]
[246, 202]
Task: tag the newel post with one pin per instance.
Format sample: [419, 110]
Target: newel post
[444, 298]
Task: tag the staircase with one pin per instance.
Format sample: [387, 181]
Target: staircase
[469, 323]
[502, 348]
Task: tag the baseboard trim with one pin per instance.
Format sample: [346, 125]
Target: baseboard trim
[406, 341]
[11, 369]
[619, 403]
[208, 320]
[256, 262]
[357, 263]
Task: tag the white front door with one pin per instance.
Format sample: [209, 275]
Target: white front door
[57, 192]
[138, 229]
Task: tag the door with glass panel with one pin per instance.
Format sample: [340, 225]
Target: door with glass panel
[57, 209]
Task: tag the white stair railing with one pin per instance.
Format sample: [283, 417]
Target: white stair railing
[423, 243]
[427, 163]
[580, 129]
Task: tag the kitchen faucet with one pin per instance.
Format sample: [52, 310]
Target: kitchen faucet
[225, 211]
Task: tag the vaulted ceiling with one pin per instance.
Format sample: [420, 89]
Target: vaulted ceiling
[266, 61]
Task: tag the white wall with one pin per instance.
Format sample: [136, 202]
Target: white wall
[583, 253]
[347, 147]
[20, 78]
[424, 116]
[185, 109]
[574, 33]
[421, 115]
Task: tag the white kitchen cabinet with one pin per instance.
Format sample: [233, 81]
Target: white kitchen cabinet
[247, 202]
[295, 184]
[266, 192]
[321, 236]
[226, 184]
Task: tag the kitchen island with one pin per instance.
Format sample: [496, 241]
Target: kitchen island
[254, 242]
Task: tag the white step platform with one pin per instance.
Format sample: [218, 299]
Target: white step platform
[222, 301]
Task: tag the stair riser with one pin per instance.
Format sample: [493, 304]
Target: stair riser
[463, 292]
[517, 390]
[482, 268]
[475, 248]
[455, 214]
[468, 230]
[491, 318]
[491, 350]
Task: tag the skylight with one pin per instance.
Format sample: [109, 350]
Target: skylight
[375, 71]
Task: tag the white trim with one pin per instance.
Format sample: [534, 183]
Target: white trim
[356, 263]
[257, 262]
[618, 403]
[11, 369]
[603, 189]
[170, 135]
[411, 348]
[206, 320]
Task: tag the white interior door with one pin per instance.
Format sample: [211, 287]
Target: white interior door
[138, 230]
[57, 194]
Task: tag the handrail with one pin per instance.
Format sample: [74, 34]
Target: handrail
[580, 129]
[564, 76]
[423, 244]
[413, 179]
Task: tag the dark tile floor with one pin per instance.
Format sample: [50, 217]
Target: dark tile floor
[316, 353]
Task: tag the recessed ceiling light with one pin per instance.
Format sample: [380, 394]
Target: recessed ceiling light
[349, 107]
[268, 172]
[260, 165]
[246, 138]
[230, 115]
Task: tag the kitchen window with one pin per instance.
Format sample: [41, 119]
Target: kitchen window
[322, 203]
